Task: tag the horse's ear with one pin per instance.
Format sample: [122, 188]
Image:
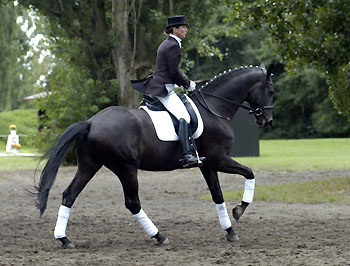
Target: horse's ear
[262, 65]
[270, 69]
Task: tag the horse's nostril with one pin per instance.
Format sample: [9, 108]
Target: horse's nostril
[260, 122]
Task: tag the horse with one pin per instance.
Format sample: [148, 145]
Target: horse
[124, 140]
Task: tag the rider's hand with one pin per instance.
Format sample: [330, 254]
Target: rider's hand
[192, 86]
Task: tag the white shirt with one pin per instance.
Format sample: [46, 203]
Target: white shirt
[176, 38]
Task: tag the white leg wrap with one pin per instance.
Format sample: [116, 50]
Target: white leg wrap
[146, 223]
[62, 220]
[249, 190]
[223, 216]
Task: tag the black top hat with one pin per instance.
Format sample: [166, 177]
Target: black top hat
[176, 21]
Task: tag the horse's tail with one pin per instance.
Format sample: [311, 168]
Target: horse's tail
[56, 155]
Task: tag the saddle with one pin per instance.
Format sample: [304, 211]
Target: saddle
[154, 104]
[163, 120]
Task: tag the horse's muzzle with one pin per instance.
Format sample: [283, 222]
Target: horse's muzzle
[263, 121]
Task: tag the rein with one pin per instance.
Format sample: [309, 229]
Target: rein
[206, 106]
[256, 111]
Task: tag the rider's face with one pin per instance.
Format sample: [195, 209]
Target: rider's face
[180, 31]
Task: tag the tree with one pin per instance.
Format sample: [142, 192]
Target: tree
[118, 39]
[307, 32]
[302, 108]
[99, 45]
[70, 101]
[17, 60]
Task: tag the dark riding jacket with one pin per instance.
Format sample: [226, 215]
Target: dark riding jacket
[167, 69]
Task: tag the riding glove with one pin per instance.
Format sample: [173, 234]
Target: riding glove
[192, 86]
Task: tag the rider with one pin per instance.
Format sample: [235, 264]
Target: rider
[166, 75]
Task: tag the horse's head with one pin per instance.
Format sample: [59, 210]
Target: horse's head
[224, 94]
[260, 98]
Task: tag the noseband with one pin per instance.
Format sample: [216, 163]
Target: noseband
[258, 112]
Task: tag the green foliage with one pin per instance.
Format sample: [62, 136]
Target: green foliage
[339, 88]
[307, 32]
[76, 35]
[82, 70]
[73, 98]
[303, 108]
[88, 39]
[250, 48]
[26, 122]
[17, 63]
[88, 36]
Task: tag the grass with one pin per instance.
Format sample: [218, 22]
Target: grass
[19, 163]
[8, 163]
[25, 121]
[300, 155]
[303, 154]
[335, 190]
[276, 155]
[26, 124]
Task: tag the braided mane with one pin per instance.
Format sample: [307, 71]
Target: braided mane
[226, 74]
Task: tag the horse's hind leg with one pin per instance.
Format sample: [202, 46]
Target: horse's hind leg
[128, 177]
[86, 170]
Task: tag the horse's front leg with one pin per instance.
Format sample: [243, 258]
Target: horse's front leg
[230, 166]
[211, 177]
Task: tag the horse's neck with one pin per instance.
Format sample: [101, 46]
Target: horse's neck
[237, 88]
[234, 88]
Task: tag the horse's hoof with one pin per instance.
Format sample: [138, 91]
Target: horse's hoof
[232, 236]
[163, 242]
[237, 212]
[65, 243]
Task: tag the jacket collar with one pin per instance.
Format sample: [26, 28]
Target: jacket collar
[176, 38]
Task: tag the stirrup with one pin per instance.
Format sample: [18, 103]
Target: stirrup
[189, 165]
[197, 163]
[200, 161]
[189, 161]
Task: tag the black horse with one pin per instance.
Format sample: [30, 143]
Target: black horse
[124, 140]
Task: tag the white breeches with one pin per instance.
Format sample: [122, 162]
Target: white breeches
[174, 105]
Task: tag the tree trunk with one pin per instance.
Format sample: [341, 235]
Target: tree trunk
[100, 31]
[8, 99]
[100, 49]
[171, 7]
[122, 53]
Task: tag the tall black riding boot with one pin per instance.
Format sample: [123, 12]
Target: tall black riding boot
[189, 160]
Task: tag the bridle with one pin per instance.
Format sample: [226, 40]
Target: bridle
[258, 112]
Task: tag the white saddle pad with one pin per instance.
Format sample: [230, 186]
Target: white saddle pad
[164, 125]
